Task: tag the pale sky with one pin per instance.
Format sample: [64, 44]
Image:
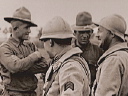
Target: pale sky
[44, 10]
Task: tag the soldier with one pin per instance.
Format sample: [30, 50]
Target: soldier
[112, 74]
[82, 31]
[68, 74]
[20, 59]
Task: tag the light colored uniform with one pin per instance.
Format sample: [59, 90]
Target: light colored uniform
[91, 53]
[71, 79]
[112, 74]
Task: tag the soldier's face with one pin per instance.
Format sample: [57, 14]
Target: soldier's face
[48, 48]
[104, 37]
[82, 37]
[23, 31]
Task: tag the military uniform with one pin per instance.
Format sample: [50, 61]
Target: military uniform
[20, 61]
[91, 53]
[82, 30]
[112, 74]
[71, 78]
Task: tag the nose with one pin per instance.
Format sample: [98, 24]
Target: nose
[29, 30]
[97, 35]
[85, 35]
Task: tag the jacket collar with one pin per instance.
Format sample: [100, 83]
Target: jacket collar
[65, 54]
[113, 49]
[16, 42]
[58, 56]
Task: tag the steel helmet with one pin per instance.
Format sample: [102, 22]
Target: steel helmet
[57, 28]
[116, 24]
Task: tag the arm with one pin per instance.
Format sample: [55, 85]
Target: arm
[40, 67]
[15, 64]
[110, 77]
[72, 80]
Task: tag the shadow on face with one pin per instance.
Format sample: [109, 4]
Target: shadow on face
[83, 36]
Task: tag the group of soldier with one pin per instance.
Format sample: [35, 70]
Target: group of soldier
[77, 67]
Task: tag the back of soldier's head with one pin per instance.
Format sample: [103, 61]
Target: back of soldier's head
[58, 29]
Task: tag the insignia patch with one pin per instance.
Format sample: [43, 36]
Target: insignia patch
[68, 84]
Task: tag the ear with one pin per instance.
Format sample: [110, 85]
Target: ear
[74, 33]
[51, 43]
[112, 34]
[91, 32]
[15, 29]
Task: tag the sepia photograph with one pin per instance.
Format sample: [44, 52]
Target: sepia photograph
[63, 48]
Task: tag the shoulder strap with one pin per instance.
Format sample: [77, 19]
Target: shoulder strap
[53, 74]
[50, 82]
[82, 63]
[123, 49]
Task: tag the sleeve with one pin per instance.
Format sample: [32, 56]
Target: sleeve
[39, 67]
[15, 64]
[110, 77]
[72, 80]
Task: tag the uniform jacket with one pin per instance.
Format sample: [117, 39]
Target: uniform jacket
[19, 63]
[91, 53]
[71, 79]
[112, 74]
